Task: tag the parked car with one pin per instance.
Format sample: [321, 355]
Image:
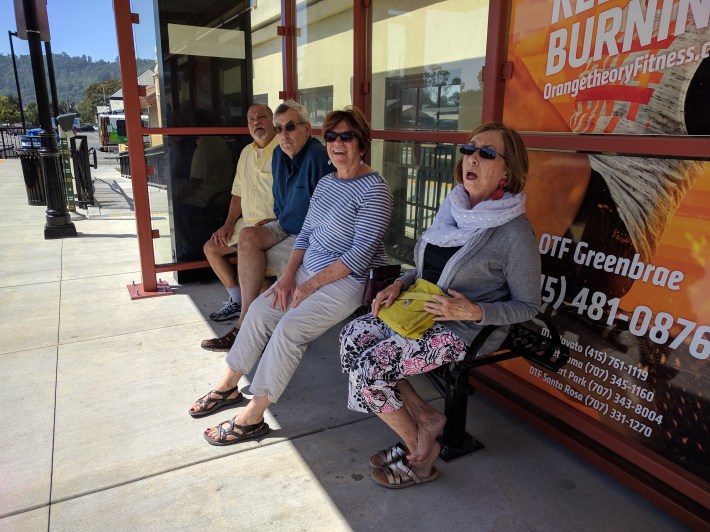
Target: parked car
[87, 127]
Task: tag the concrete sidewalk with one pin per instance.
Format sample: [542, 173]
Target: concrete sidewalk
[96, 436]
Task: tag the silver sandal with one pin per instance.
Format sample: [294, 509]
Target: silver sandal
[398, 475]
[388, 456]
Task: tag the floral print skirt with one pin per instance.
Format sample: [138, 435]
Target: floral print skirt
[377, 359]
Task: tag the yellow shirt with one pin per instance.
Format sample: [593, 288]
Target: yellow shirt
[253, 182]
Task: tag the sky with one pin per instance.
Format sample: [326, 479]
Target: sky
[83, 27]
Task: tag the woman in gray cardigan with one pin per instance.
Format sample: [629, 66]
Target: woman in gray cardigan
[481, 251]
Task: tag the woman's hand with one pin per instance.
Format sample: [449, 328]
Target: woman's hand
[281, 290]
[386, 296]
[302, 291]
[455, 307]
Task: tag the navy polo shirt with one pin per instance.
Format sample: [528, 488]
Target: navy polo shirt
[294, 182]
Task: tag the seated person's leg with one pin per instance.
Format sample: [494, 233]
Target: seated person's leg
[225, 271]
[378, 384]
[317, 313]
[326, 307]
[430, 422]
[253, 243]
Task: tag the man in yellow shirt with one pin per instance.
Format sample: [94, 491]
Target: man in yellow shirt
[252, 204]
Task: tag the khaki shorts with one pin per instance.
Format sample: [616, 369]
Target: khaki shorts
[276, 256]
[241, 224]
[276, 230]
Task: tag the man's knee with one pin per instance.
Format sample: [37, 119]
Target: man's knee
[211, 249]
[255, 238]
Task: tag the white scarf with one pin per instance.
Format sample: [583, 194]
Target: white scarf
[457, 223]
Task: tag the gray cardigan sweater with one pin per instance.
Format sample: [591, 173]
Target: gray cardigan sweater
[500, 272]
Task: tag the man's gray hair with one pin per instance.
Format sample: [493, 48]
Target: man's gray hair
[290, 105]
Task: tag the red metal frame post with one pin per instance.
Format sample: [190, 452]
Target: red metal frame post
[496, 44]
[134, 131]
[362, 56]
[288, 49]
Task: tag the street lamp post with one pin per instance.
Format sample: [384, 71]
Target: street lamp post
[52, 81]
[10, 34]
[59, 224]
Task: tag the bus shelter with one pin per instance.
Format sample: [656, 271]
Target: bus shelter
[611, 99]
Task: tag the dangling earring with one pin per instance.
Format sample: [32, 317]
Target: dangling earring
[362, 162]
[498, 194]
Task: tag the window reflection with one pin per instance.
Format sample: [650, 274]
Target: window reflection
[191, 181]
[324, 55]
[426, 75]
[420, 176]
[204, 61]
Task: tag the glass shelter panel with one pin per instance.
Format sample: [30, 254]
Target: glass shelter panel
[211, 60]
[427, 59]
[267, 76]
[324, 56]
[420, 175]
[190, 190]
[204, 62]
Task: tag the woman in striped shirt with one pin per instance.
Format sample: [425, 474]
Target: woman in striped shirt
[322, 283]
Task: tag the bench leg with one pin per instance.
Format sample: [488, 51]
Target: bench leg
[456, 442]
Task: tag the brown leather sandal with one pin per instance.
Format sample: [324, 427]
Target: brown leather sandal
[223, 343]
[209, 404]
[237, 432]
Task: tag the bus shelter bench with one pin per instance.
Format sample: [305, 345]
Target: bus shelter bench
[452, 381]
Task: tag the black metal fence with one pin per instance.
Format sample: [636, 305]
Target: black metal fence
[10, 141]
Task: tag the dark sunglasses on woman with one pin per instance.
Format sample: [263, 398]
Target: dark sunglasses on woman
[486, 153]
[345, 136]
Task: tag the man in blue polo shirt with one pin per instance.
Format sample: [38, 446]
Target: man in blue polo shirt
[297, 164]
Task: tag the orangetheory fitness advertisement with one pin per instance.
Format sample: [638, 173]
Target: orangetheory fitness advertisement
[624, 239]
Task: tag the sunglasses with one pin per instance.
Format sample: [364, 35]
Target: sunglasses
[291, 126]
[345, 136]
[486, 153]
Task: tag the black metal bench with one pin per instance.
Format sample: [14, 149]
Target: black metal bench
[452, 381]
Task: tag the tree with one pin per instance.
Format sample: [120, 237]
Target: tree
[97, 94]
[9, 110]
[32, 114]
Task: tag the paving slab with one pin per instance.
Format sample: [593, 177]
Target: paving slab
[158, 376]
[102, 307]
[27, 421]
[321, 481]
[34, 521]
[29, 259]
[29, 316]
[102, 247]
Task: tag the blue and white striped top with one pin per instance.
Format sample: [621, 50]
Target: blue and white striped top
[347, 220]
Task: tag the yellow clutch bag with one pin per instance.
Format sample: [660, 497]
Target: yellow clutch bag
[406, 315]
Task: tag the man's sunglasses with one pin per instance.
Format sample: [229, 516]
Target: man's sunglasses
[486, 153]
[345, 136]
[291, 126]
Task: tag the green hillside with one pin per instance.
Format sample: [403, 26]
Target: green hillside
[73, 75]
